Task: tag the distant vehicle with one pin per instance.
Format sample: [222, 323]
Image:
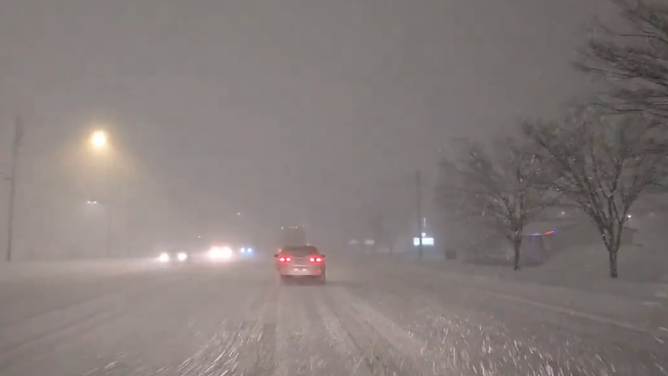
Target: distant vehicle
[246, 251]
[173, 257]
[217, 253]
[301, 261]
[291, 236]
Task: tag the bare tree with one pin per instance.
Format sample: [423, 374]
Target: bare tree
[634, 57]
[602, 164]
[494, 189]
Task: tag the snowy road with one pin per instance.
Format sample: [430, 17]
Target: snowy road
[238, 320]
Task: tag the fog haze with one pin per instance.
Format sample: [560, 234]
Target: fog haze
[294, 111]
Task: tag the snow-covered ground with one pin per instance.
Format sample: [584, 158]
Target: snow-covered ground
[581, 268]
[372, 318]
[50, 269]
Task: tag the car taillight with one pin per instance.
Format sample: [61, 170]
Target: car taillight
[284, 259]
[316, 259]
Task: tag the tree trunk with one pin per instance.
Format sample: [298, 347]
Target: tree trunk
[612, 256]
[517, 244]
[613, 247]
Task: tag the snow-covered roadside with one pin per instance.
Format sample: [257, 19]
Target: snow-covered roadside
[589, 282]
[27, 270]
[631, 311]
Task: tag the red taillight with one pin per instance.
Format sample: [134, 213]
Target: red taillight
[316, 259]
[284, 259]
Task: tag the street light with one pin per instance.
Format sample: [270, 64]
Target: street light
[99, 140]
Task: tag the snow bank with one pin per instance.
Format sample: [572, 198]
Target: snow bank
[21, 270]
[641, 307]
[582, 268]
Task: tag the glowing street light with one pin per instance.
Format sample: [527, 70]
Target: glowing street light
[99, 140]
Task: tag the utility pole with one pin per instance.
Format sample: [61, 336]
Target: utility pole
[109, 209]
[111, 212]
[18, 135]
[418, 186]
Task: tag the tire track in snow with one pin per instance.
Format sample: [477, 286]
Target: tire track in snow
[293, 329]
[244, 349]
[341, 341]
[190, 319]
[508, 342]
[304, 343]
[387, 348]
[29, 337]
[21, 309]
[258, 349]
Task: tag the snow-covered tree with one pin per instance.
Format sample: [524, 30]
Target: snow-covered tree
[602, 164]
[492, 187]
[633, 57]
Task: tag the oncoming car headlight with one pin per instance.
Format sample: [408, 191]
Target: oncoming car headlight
[226, 252]
[214, 253]
[217, 253]
[164, 257]
[182, 256]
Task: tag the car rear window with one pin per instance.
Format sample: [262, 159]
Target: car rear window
[300, 251]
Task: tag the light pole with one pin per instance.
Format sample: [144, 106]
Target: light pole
[99, 143]
[418, 207]
[108, 208]
[18, 135]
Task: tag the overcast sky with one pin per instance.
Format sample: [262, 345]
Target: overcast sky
[310, 111]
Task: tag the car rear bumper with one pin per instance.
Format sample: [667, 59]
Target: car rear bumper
[294, 270]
